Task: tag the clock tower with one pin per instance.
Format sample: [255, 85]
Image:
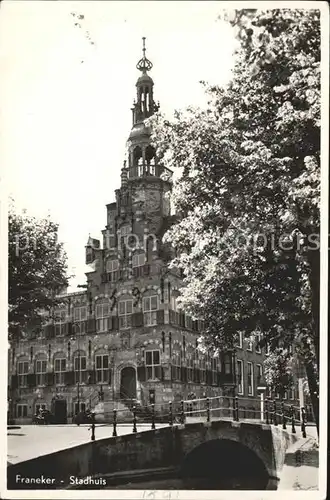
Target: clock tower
[143, 198]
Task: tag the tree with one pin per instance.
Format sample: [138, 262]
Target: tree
[247, 238]
[37, 271]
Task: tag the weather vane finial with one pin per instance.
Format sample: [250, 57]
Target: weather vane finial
[144, 64]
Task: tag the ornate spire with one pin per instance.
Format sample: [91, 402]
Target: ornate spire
[144, 64]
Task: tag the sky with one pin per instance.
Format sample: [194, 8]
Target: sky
[65, 108]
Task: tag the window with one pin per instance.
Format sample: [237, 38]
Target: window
[109, 235]
[23, 370]
[214, 370]
[140, 167]
[250, 378]
[173, 303]
[125, 232]
[228, 364]
[240, 340]
[259, 374]
[190, 369]
[112, 267]
[78, 407]
[292, 393]
[176, 366]
[150, 157]
[80, 317]
[153, 365]
[258, 338]
[80, 373]
[59, 369]
[202, 372]
[21, 410]
[150, 306]
[125, 313]
[102, 316]
[102, 368]
[41, 368]
[240, 377]
[138, 259]
[152, 167]
[60, 322]
[285, 395]
[249, 345]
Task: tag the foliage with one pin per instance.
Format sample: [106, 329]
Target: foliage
[248, 194]
[37, 271]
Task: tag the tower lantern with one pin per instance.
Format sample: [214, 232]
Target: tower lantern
[142, 161]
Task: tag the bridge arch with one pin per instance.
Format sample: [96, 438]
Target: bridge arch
[224, 464]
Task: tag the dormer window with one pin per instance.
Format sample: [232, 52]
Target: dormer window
[112, 267]
[60, 322]
[138, 260]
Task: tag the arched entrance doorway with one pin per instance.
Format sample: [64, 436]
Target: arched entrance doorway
[128, 383]
[59, 410]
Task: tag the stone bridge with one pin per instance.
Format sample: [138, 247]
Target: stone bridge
[246, 454]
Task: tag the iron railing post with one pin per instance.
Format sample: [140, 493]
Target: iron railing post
[182, 416]
[170, 414]
[267, 410]
[293, 429]
[134, 419]
[236, 409]
[153, 426]
[283, 415]
[207, 409]
[114, 432]
[303, 422]
[93, 427]
[274, 408]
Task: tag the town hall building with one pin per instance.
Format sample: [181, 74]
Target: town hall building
[124, 338]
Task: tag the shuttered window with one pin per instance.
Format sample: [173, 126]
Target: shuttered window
[80, 369]
[150, 306]
[153, 364]
[125, 310]
[240, 380]
[41, 368]
[102, 368]
[23, 370]
[59, 370]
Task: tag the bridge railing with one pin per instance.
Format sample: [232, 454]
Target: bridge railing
[273, 412]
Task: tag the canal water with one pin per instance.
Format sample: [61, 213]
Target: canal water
[173, 481]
